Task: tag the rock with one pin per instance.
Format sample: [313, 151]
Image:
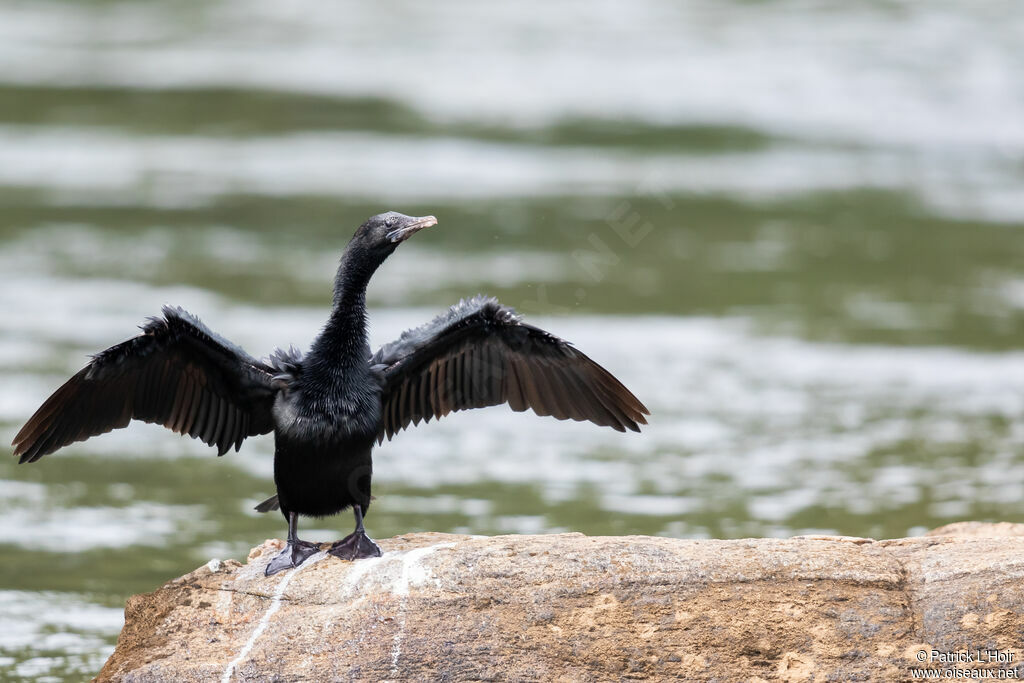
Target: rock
[568, 607]
[979, 529]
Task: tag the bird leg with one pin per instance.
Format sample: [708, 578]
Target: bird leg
[357, 544]
[296, 552]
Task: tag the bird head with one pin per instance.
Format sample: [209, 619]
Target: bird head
[385, 231]
[372, 243]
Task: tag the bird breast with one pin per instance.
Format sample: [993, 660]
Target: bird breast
[302, 414]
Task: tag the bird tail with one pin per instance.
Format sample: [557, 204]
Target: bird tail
[268, 505]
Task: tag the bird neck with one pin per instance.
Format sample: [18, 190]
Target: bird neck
[342, 345]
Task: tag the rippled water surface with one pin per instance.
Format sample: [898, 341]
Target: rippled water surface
[792, 228]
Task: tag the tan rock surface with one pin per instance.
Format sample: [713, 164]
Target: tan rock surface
[573, 608]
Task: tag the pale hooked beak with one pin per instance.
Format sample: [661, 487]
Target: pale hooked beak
[409, 227]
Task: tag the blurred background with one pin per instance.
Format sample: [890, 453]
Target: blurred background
[792, 228]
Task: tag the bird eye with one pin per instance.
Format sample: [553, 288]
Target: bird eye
[388, 222]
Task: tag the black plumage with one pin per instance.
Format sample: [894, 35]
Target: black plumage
[329, 407]
[176, 373]
[481, 354]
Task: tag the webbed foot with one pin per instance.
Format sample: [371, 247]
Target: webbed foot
[294, 554]
[355, 546]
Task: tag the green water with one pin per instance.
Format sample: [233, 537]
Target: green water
[821, 303]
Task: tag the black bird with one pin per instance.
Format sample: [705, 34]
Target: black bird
[328, 407]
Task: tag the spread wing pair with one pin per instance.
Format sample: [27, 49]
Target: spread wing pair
[180, 374]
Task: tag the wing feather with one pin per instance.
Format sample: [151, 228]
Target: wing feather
[202, 414]
[177, 373]
[228, 435]
[481, 354]
[514, 387]
[183, 403]
[193, 410]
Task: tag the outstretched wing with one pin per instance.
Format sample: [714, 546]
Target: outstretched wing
[480, 354]
[176, 373]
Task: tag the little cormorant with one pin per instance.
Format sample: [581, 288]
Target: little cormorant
[327, 408]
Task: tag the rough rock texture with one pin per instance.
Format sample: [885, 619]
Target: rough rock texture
[573, 608]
